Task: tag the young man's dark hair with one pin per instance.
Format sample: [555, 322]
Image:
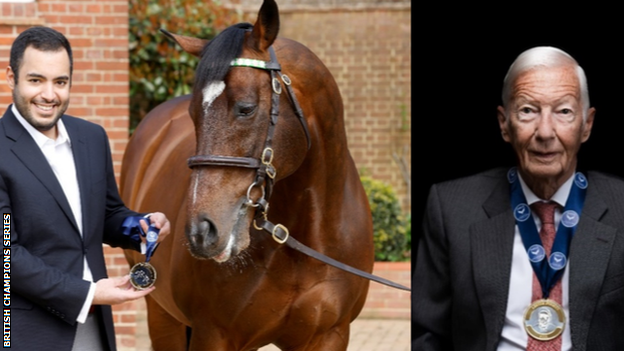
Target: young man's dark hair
[40, 38]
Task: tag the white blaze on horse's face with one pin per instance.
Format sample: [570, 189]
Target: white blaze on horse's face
[211, 92]
[204, 240]
[196, 183]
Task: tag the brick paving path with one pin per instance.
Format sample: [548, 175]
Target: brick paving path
[366, 335]
[375, 335]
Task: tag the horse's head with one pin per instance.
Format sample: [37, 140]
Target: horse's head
[231, 109]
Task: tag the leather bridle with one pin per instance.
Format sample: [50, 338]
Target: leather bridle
[266, 172]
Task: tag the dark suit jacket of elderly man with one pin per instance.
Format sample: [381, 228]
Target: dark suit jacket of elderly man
[462, 272]
[47, 290]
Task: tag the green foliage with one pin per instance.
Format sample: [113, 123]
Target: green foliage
[390, 227]
[408, 230]
[159, 68]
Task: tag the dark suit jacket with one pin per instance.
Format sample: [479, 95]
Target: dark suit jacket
[462, 272]
[47, 290]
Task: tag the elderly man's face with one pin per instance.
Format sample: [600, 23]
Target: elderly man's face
[544, 122]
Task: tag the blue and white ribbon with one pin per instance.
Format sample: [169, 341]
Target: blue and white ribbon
[548, 270]
[131, 227]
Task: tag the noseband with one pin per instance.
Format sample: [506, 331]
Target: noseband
[266, 172]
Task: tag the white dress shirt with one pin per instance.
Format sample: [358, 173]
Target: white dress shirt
[59, 155]
[514, 337]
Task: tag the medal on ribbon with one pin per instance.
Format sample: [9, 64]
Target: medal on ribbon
[142, 274]
[545, 319]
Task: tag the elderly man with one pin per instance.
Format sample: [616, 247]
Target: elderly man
[502, 249]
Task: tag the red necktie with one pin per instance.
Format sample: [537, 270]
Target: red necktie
[546, 213]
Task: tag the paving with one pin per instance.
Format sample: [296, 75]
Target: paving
[375, 335]
[366, 335]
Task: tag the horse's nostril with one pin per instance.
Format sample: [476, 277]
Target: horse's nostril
[207, 230]
[204, 227]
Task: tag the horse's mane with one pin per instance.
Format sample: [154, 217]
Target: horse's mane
[217, 55]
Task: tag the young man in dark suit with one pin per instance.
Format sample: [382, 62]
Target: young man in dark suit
[532, 257]
[57, 184]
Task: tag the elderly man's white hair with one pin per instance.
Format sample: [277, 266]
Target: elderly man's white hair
[544, 56]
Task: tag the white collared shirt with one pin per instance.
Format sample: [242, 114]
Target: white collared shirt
[61, 159]
[514, 337]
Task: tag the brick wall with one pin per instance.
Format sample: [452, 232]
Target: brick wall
[98, 33]
[384, 302]
[366, 44]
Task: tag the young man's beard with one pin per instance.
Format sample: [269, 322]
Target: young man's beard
[24, 108]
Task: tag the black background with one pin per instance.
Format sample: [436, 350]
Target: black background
[458, 67]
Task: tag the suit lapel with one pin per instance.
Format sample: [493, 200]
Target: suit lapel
[590, 252]
[492, 249]
[80, 150]
[31, 156]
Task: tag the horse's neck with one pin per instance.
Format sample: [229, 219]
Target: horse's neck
[321, 182]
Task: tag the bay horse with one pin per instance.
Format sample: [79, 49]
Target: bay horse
[235, 286]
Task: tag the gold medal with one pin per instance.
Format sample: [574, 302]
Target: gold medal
[544, 320]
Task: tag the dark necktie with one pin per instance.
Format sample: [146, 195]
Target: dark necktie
[546, 213]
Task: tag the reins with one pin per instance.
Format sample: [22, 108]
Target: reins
[266, 172]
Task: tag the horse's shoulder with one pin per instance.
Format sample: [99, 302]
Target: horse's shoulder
[292, 46]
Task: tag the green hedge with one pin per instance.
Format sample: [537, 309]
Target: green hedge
[159, 69]
[391, 229]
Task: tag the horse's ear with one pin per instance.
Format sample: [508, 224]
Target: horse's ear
[191, 45]
[267, 26]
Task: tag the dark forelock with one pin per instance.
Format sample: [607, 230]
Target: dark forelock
[218, 54]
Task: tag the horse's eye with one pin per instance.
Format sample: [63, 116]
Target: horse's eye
[245, 109]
